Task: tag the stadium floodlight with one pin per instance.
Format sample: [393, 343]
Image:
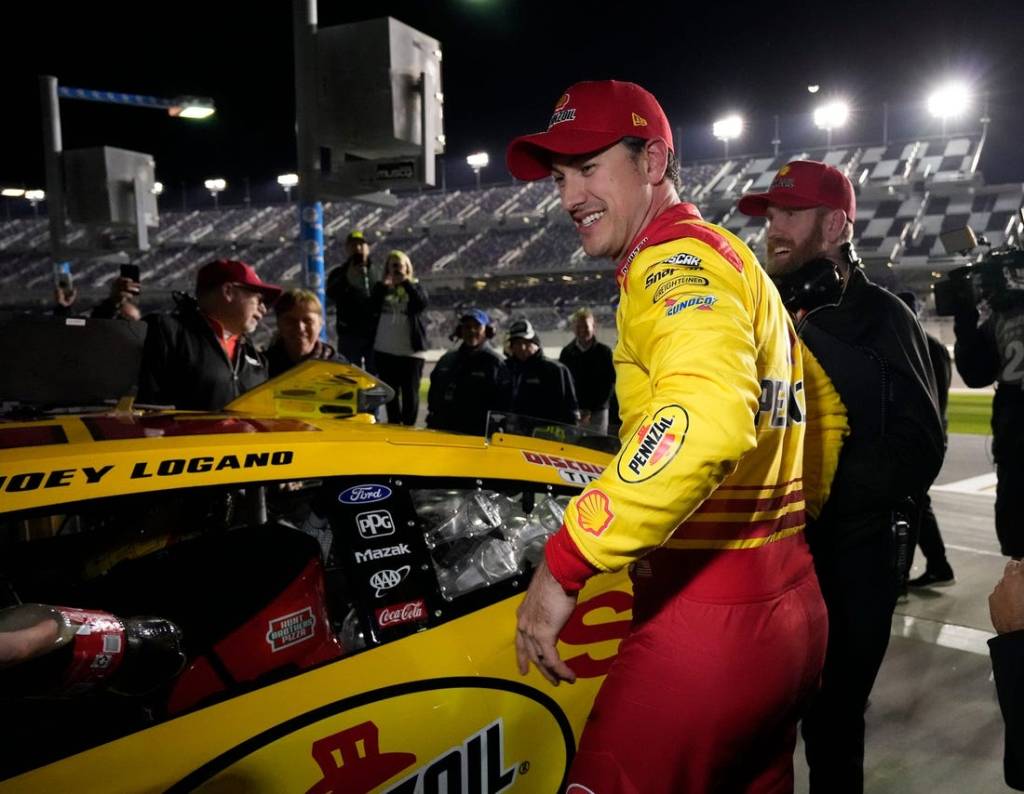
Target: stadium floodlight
[478, 161]
[288, 181]
[12, 192]
[158, 188]
[35, 196]
[215, 186]
[831, 116]
[949, 101]
[191, 107]
[813, 89]
[728, 129]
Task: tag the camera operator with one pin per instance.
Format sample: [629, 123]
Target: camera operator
[990, 348]
[874, 351]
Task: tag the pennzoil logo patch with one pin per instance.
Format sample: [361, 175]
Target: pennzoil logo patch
[653, 446]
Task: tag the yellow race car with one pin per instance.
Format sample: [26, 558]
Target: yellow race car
[341, 599]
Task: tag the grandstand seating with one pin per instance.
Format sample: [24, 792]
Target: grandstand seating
[507, 247]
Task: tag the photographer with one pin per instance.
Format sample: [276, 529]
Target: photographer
[990, 348]
[874, 351]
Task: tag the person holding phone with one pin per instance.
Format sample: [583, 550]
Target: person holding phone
[122, 302]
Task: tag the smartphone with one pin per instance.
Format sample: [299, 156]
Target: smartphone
[62, 277]
[131, 272]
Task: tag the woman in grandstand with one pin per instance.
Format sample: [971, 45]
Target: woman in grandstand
[300, 318]
[401, 340]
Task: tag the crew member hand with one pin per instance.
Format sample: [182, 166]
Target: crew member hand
[122, 289]
[1006, 604]
[541, 617]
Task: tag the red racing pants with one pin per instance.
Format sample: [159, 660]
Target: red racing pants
[705, 696]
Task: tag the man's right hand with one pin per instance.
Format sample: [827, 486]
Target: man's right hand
[122, 289]
[1006, 604]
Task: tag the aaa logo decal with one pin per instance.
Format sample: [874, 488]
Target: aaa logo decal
[594, 511]
[656, 442]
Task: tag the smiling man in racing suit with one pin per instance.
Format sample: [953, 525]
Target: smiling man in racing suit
[706, 500]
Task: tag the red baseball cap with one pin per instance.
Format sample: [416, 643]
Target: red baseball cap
[589, 116]
[232, 271]
[803, 184]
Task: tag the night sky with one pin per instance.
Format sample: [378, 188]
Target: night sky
[504, 66]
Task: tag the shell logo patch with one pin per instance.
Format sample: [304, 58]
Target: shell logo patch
[639, 121]
[656, 442]
[594, 510]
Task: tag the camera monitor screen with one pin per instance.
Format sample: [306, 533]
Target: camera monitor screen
[56, 361]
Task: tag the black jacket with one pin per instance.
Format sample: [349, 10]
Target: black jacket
[543, 389]
[356, 314]
[994, 352]
[592, 372]
[279, 361]
[1007, 651]
[415, 298]
[943, 368]
[184, 365]
[875, 353]
[465, 384]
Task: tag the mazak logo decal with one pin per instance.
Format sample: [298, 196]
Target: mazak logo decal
[654, 445]
[397, 614]
[594, 512]
[364, 494]
[388, 579]
[679, 281]
[703, 303]
[375, 524]
[379, 554]
[291, 629]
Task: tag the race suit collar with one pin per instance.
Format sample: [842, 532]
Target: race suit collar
[658, 231]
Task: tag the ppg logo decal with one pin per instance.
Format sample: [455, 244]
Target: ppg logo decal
[388, 579]
[364, 494]
[375, 524]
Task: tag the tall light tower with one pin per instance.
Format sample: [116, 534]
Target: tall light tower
[478, 161]
[831, 116]
[728, 129]
[216, 187]
[949, 101]
[287, 182]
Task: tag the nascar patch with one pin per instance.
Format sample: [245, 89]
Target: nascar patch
[653, 446]
[678, 281]
[691, 261]
[703, 303]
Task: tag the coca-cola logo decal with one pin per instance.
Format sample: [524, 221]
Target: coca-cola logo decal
[388, 578]
[397, 614]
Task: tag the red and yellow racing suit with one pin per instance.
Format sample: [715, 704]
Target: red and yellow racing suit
[706, 500]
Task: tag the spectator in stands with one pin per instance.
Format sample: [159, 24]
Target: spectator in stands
[875, 353]
[470, 381]
[938, 572]
[1006, 606]
[399, 301]
[590, 363]
[541, 388]
[300, 318]
[350, 287]
[199, 356]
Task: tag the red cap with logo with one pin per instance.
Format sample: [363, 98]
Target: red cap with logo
[588, 117]
[803, 184]
[232, 271]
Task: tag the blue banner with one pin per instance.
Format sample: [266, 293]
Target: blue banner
[311, 239]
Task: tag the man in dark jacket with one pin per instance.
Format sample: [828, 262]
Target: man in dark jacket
[468, 382]
[938, 572]
[350, 287]
[593, 373]
[199, 356]
[874, 351]
[541, 388]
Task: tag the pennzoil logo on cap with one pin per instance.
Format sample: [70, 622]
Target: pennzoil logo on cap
[782, 171]
[639, 121]
[563, 100]
[781, 181]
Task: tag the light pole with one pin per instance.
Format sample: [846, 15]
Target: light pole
[831, 116]
[478, 161]
[34, 197]
[215, 186]
[949, 101]
[287, 182]
[11, 193]
[728, 129]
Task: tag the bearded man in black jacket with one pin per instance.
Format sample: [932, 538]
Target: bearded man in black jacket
[875, 353]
